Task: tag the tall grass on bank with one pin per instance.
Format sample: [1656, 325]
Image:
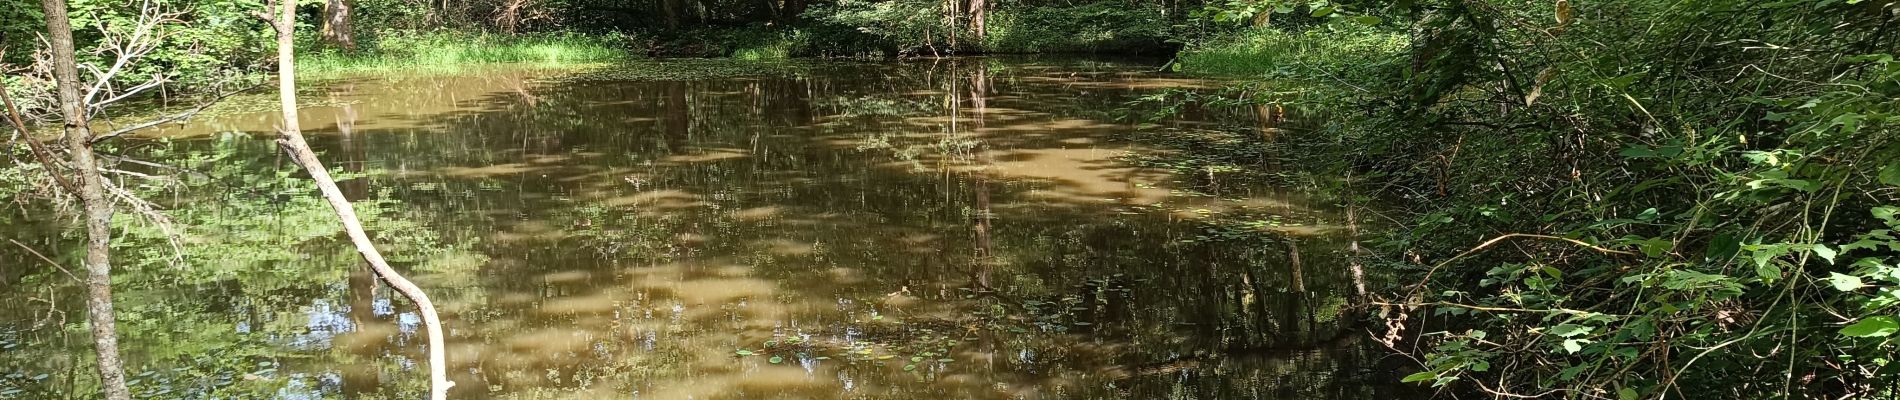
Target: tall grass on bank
[1276, 52]
[451, 51]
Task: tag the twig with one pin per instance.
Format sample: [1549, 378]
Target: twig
[49, 261]
[1441, 264]
[39, 152]
[150, 212]
[1495, 309]
[174, 117]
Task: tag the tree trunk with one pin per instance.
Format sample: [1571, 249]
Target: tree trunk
[978, 12]
[792, 10]
[91, 194]
[950, 22]
[291, 139]
[671, 9]
[985, 256]
[336, 24]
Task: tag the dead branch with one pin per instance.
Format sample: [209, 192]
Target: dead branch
[183, 115]
[151, 214]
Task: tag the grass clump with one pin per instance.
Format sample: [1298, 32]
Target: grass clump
[452, 51]
[1260, 52]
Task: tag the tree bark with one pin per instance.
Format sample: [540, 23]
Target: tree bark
[91, 194]
[978, 26]
[336, 24]
[290, 137]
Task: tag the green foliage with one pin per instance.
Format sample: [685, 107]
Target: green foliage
[450, 51]
[1110, 26]
[1722, 208]
[907, 25]
[1333, 50]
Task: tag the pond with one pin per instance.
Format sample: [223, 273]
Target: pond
[958, 228]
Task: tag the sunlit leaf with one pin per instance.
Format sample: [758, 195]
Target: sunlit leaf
[1845, 282]
[1880, 326]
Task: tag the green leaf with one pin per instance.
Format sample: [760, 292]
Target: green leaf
[1825, 252]
[1880, 326]
[1890, 174]
[776, 359]
[1418, 377]
[1570, 330]
[1626, 394]
[743, 352]
[1573, 345]
[910, 367]
[1367, 19]
[1723, 247]
[1844, 282]
[1768, 272]
[1887, 214]
[1322, 11]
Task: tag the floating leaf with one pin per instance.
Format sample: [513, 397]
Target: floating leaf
[743, 352]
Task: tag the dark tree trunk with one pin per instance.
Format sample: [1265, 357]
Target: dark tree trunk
[792, 9]
[678, 119]
[671, 10]
[92, 197]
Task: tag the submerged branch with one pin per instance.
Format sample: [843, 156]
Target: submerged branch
[170, 118]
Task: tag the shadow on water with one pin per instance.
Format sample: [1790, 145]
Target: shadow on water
[952, 229]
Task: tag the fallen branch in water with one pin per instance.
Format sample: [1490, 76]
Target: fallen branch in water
[290, 137]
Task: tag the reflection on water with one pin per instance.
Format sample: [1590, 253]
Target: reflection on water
[949, 229]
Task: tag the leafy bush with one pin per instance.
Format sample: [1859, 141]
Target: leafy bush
[1636, 200]
[1341, 49]
[1112, 26]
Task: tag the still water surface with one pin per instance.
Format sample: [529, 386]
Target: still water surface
[817, 232]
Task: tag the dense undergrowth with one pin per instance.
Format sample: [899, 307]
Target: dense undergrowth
[451, 51]
[1632, 199]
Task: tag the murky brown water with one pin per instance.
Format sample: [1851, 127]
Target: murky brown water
[814, 234]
